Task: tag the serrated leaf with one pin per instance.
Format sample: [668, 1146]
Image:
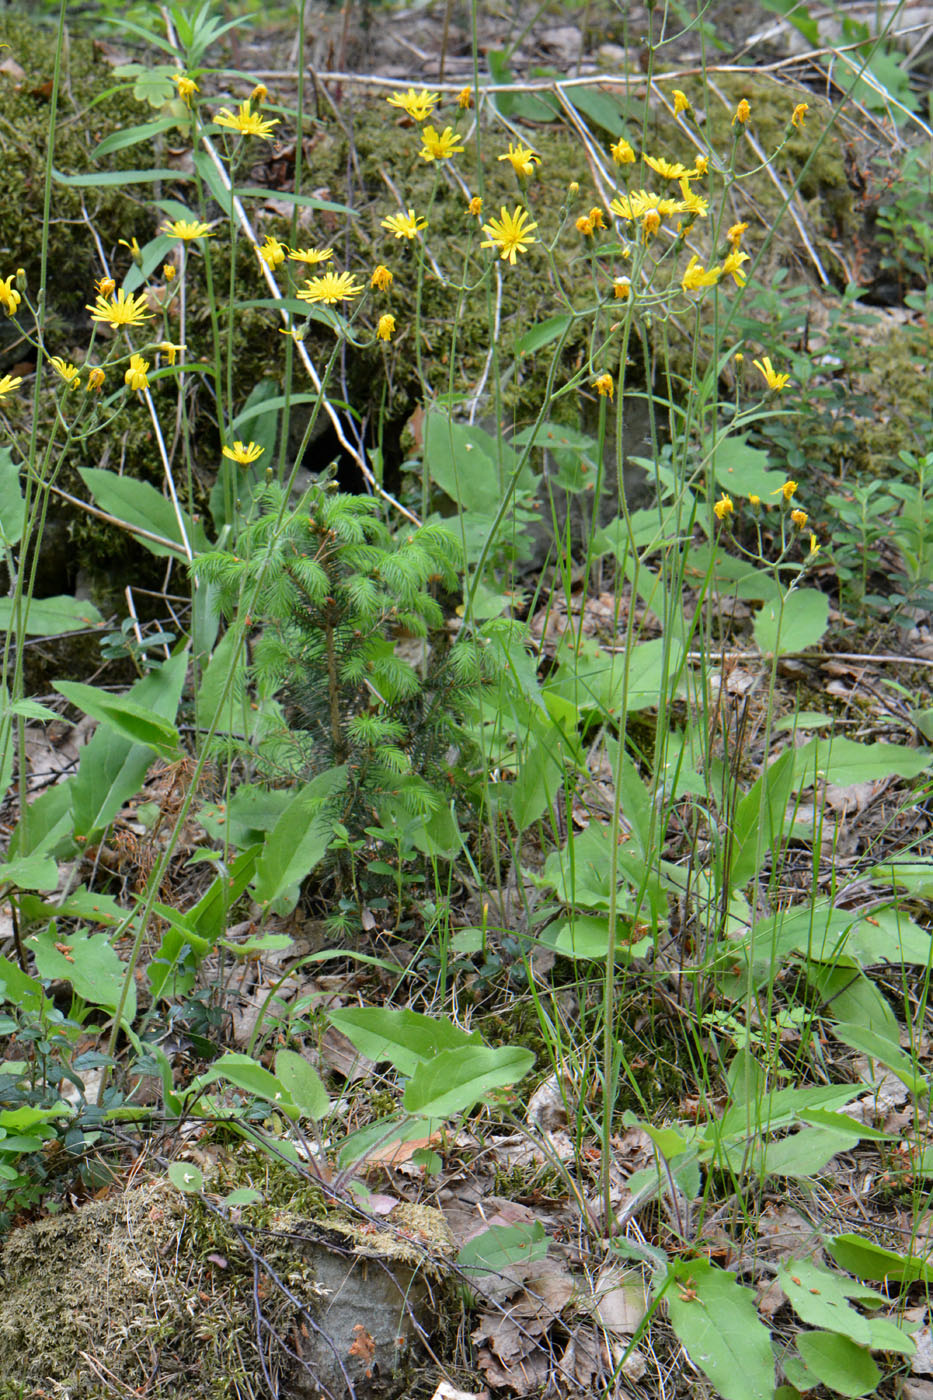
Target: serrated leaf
[839, 1363]
[720, 1329]
[89, 963]
[823, 1299]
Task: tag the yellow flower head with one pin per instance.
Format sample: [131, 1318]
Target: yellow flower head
[739, 357]
[650, 222]
[510, 234]
[692, 202]
[169, 350]
[135, 376]
[272, 253]
[404, 225]
[584, 225]
[105, 286]
[798, 114]
[723, 508]
[70, 373]
[573, 188]
[604, 385]
[168, 271]
[799, 517]
[732, 266]
[681, 102]
[786, 491]
[475, 206]
[622, 152]
[136, 253]
[121, 310]
[639, 202]
[754, 501]
[259, 93]
[244, 454]
[669, 170]
[701, 165]
[244, 121]
[814, 545]
[465, 98]
[9, 295]
[522, 159]
[621, 288]
[742, 112]
[417, 105]
[595, 217]
[773, 379]
[95, 380]
[734, 234]
[312, 256]
[186, 229]
[696, 277]
[9, 382]
[440, 145]
[330, 288]
[386, 327]
[381, 278]
[186, 87]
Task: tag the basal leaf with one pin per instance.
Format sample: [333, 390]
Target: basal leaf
[455, 1080]
[839, 1363]
[404, 1038]
[716, 1320]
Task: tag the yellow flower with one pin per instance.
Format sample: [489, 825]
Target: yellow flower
[440, 145]
[681, 102]
[9, 295]
[742, 112]
[604, 385]
[573, 188]
[381, 278]
[696, 277]
[787, 490]
[799, 517]
[465, 98]
[670, 170]
[639, 202]
[330, 288]
[243, 454]
[584, 225]
[523, 160]
[259, 93]
[621, 288]
[739, 357]
[595, 217]
[774, 380]
[404, 225]
[692, 202]
[650, 222]
[475, 206]
[754, 501]
[417, 105]
[272, 253]
[186, 87]
[186, 229]
[732, 266]
[244, 121]
[734, 234]
[312, 256]
[622, 152]
[798, 114]
[168, 271]
[70, 373]
[169, 350]
[136, 253]
[121, 310]
[105, 286]
[95, 380]
[135, 376]
[701, 164]
[723, 508]
[9, 382]
[511, 234]
[386, 327]
[814, 545]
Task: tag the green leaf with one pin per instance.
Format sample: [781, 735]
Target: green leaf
[600, 106]
[307, 201]
[802, 1154]
[90, 964]
[51, 617]
[144, 509]
[186, 1176]
[132, 136]
[302, 1083]
[720, 1329]
[33, 872]
[118, 177]
[243, 1072]
[500, 1247]
[796, 624]
[839, 1363]
[134, 721]
[759, 820]
[821, 1298]
[12, 505]
[298, 841]
[866, 1259]
[455, 1080]
[543, 334]
[405, 1038]
[844, 761]
[887, 1052]
[742, 470]
[853, 997]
